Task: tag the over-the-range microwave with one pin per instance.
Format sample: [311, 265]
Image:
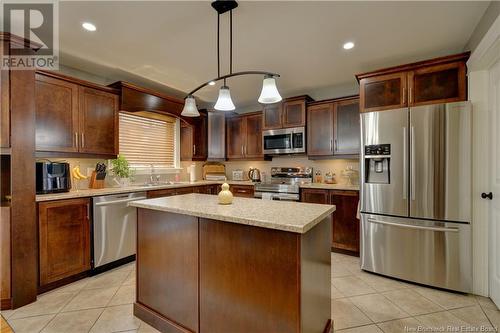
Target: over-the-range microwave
[284, 141]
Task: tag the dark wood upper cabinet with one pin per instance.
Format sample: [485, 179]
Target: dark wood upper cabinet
[64, 234]
[345, 225]
[57, 110]
[216, 135]
[346, 131]
[200, 138]
[439, 80]
[291, 112]
[74, 118]
[333, 128]
[320, 129]
[4, 109]
[235, 137]
[187, 147]
[98, 121]
[253, 145]
[437, 84]
[294, 113]
[271, 116]
[244, 136]
[194, 139]
[383, 92]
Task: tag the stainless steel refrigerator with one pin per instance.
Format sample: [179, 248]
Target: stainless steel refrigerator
[416, 194]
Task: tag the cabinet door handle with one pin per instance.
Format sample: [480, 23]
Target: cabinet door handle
[246, 149]
[83, 140]
[76, 139]
[411, 96]
[404, 96]
[194, 149]
[335, 145]
[242, 150]
[331, 145]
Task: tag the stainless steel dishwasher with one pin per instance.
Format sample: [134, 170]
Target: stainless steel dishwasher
[115, 227]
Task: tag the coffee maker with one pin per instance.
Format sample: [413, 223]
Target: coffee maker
[52, 177]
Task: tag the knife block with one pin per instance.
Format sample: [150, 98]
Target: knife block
[95, 183]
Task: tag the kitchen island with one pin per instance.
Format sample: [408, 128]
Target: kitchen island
[253, 266]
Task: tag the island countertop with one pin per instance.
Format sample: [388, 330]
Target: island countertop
[289, 216]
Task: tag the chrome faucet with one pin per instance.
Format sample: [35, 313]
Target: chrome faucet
[153, 178]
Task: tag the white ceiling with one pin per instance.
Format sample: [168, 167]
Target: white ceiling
[174, 43]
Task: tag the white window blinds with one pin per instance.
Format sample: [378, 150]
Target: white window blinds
[148, 140]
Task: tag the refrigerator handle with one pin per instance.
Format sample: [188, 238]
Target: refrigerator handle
[412, 170]
[413, 226]
[405, 167]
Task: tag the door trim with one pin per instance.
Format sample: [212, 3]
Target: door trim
[479, 64]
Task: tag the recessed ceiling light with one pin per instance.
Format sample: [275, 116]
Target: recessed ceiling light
[89, 26]
[348, 45]
[211, 83]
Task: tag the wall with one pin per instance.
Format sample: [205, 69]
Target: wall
[489, 17]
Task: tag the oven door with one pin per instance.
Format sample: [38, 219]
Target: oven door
[284, 141]
[277, 196]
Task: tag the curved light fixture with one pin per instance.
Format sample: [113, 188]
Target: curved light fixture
[224, 101]
[269, 93]
[190, 109]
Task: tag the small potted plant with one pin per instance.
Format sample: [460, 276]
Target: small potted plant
[121, 170]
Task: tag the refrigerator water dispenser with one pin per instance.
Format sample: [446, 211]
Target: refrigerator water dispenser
[377, 164]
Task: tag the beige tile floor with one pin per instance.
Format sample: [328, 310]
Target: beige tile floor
[99, 304]
[361, 302]
[366, 303]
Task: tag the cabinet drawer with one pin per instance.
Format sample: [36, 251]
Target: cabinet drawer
[160, 193]
[246, 191]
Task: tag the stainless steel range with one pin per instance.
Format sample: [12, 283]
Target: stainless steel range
[284, 184]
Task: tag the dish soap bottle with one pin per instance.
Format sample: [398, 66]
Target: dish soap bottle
[225, 196]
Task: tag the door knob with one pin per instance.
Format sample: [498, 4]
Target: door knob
[487, 196]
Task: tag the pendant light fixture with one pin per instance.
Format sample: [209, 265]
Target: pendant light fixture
[190, 109]
[269, 93]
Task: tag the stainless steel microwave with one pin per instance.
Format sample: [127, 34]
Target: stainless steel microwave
[284, 141]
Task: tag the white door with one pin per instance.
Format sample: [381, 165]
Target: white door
[494, 223]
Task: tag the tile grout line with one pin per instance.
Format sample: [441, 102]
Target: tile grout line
[105, 307]
[487, 317]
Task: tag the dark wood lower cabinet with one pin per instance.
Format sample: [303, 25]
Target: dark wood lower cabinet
[243, 290]
[210, 276]
[345, 225]
[64, 233]
[245, 191]
[205, 189]
[167, 264]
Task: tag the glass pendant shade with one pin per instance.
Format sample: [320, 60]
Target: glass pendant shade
[224, 102]
[190, 109]
[269, 93]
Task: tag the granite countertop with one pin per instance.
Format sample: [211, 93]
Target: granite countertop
[134, 188]
[139, 188]
[290, 216]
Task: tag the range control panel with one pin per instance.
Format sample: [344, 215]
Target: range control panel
[384, 149]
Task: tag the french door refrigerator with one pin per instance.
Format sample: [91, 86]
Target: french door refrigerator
[416, 194]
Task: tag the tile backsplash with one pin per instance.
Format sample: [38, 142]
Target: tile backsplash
[334, 165]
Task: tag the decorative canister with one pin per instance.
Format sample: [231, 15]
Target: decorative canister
[225, 196]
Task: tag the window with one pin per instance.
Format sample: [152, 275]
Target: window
[148, 138]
